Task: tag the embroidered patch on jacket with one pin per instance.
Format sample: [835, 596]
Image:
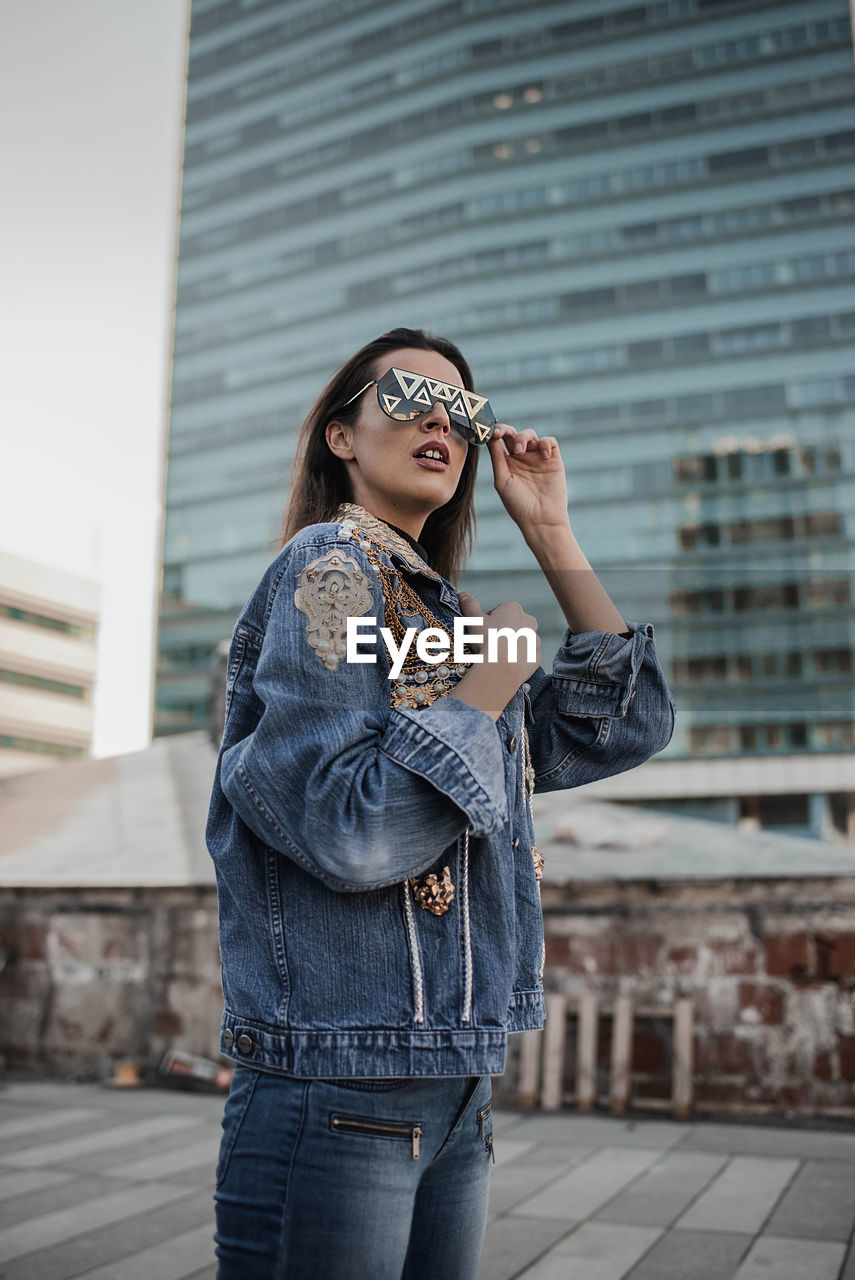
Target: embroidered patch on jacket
[365, 528]
[331, 589]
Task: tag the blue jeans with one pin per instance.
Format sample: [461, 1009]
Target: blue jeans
[353, 1179]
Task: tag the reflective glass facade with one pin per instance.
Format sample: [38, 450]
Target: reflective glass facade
[638, 222]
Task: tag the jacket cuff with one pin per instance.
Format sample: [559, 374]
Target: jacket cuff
[594, 672]
[456, 747]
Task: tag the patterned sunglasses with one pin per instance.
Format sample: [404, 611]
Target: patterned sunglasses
[403, 395]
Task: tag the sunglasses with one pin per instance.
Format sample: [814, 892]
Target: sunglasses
[403, 396]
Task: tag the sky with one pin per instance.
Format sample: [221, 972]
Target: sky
[91, 109]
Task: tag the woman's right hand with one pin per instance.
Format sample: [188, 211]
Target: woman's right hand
[491, 685]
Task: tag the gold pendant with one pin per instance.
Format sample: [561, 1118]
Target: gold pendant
[433, 894]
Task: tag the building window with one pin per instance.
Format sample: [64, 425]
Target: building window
[839, 734]
[729, 161]
[642, 291]
[650, 349]
[824, 524]
[688, 285]
[826, 593]
[695, 603]
[690, 344]
[709, 741]
[781, 595]
[744, 667]
[47, 686]
[35, 747]
[42, 620]
[782, 811]
[700, 468]
[832, 662]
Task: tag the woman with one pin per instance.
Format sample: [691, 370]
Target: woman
[380, 923]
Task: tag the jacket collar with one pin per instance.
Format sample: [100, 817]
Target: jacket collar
[354, 516]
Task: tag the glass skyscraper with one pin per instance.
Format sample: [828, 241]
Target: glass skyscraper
[637, 222]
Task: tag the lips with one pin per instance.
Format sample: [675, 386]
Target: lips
[438, 445]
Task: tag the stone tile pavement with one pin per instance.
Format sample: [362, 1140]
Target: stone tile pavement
[112, 1185]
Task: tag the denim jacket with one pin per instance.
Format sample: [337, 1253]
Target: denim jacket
[376, 872]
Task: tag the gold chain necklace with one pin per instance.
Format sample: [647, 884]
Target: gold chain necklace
[419, 684]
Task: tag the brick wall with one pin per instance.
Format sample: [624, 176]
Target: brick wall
[92, 976]
[769, 965]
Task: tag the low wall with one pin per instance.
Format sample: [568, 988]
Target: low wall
[769, 965]
[92, 976]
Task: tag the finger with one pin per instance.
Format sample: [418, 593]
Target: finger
[498, 457]
[469, 606]
[502, 430]
[525, 440]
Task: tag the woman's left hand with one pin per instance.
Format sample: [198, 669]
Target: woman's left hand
[528, 474]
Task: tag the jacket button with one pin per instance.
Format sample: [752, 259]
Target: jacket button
[228, 1037]
[516, 843]
[512, 744]
[245, 1044]
[526, 687]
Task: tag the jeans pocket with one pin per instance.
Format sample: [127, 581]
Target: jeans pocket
[376, 1127]
[370, 1084]
[242, 1089]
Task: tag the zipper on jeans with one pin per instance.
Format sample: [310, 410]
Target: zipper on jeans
[482, 1116]
[388, 1128]
[488, 1138]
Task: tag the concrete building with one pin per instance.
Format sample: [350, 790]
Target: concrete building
[636, 220]
[48, 623]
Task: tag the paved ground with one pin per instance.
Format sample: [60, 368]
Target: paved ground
[107, 1185]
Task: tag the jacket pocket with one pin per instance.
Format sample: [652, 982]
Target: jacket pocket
[368, 1127]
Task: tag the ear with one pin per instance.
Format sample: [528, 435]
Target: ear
[338, 437]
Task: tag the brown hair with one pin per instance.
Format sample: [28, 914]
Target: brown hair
[319, 480]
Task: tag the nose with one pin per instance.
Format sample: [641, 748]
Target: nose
[437, 416]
